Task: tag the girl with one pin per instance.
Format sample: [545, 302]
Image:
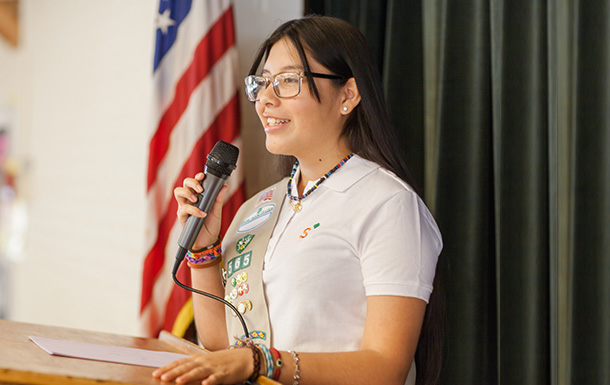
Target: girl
[333, 266]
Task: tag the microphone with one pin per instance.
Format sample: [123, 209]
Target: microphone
[222, 160]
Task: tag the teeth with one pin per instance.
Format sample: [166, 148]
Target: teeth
[275, 122]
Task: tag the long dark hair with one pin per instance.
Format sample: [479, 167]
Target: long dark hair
[343, 49]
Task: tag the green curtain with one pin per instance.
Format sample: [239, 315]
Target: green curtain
[464, 205]
[511, 139]
[399, 61]
[590, 225]
[521, 188]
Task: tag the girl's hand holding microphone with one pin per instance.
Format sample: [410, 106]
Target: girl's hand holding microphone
[187, 197]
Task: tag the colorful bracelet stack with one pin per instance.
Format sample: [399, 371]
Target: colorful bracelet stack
[268, 359]
[207, 257]
[269, 356]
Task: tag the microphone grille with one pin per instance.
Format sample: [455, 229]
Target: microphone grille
[223, 158]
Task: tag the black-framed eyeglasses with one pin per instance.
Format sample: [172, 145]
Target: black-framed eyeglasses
[285, 84]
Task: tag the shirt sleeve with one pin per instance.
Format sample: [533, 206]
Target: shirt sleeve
[399, 248]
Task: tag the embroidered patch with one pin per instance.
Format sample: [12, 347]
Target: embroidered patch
[254, 334]
[238, 263]
[266, 196]
[307, 230]
[243, 243]
[257, 218]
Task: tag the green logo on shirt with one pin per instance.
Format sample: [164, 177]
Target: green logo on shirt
[307, 230]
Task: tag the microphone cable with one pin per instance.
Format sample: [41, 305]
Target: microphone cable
[181, 253]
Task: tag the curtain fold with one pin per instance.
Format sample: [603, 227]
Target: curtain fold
[590, 237]
[465, 175]
[520, 131]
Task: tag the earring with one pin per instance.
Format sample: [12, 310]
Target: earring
[344, 109]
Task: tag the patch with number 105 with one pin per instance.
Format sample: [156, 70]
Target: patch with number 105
[238, 263]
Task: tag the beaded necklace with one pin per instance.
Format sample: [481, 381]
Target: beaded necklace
[295, 201]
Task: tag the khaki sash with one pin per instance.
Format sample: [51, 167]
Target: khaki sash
[244, 248]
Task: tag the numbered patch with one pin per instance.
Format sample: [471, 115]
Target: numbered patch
[238, 263]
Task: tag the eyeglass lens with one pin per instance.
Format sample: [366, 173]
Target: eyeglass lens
[285, 85]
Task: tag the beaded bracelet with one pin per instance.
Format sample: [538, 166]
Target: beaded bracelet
[278, 363]
[268, 359]
[207, 257]
[211, 263]
[297, 368]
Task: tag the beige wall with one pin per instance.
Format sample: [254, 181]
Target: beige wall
[78, 87]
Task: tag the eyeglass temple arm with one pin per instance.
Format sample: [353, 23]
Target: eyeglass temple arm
[325, 76]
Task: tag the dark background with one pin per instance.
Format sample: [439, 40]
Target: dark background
[503, 112]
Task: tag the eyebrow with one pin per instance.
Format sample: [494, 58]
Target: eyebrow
[285, 68]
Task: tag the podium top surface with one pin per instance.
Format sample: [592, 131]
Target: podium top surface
[22, 362]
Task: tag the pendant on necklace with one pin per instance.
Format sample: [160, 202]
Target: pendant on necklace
[296, 206]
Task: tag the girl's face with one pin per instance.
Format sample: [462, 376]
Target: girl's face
[301, 126]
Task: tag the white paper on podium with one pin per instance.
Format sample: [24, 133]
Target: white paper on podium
[107, 353]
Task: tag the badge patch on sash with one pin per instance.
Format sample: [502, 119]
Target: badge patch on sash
[243, 243]
[257, 218]
[240, 262]
[254, 334]
[266, 196]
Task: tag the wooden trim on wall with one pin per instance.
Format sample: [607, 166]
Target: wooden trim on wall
[9, 21]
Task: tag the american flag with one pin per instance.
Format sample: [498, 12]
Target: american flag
[195, 105]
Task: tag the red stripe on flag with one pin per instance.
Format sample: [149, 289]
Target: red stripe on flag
[225, 127]
[212, 47]
[179, 296]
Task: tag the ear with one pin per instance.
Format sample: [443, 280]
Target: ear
[351, 96]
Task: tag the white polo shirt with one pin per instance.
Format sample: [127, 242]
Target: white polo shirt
[362, 232]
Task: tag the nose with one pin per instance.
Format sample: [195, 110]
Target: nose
[267, 94]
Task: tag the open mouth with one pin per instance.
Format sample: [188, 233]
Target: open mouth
[276, 122]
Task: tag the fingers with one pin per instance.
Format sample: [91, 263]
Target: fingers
[181, 371]
[220, 199]
[186, 196]
[222, 367]
[169, 371]
[194, 183]
[212, 380]
[187, 370]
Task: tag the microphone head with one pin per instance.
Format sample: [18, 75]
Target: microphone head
[222, 160]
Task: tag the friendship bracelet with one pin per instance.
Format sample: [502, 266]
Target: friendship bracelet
[204, 257]
[268, 359]
[210, 263]
[297, 368]
[256, 356]
[278, 364]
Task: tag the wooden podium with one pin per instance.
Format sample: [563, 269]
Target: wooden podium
[22, 362]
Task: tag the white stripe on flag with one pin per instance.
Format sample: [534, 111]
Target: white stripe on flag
[206, 102]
